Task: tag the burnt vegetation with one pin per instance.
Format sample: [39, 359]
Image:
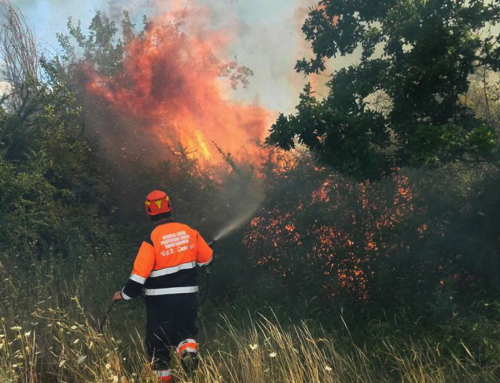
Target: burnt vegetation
[384, 217]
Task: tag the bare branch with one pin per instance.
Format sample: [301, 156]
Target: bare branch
[18, 52]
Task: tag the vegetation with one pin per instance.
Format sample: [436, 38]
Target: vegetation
[52, 336]
[400, 105]
[390, 275]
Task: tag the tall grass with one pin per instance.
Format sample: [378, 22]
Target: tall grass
[264, 352]
[49, 333]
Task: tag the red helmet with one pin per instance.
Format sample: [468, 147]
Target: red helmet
[157, 202]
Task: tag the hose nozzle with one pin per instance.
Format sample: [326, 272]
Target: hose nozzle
[212, 243]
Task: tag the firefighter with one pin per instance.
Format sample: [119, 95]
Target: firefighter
[165, 267]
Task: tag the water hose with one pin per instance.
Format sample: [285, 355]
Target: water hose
[105, 316]
[208, 271]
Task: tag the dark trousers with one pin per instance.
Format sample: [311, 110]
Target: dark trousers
[170, 320]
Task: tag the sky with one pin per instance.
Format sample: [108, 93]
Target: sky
[267, 37]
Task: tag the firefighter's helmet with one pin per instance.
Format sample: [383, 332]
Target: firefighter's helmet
[157, 202]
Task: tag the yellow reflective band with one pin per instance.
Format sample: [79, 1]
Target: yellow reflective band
[158, 203]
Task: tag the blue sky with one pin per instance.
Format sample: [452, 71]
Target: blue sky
[268, 40]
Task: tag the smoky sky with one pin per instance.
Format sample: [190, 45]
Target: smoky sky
[267, 37]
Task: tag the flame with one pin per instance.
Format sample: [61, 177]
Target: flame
[176, 81]
[342, 254]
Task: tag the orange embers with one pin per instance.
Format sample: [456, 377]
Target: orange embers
[338, 229]
[175, 81]
[281, 162]
[322, 193]
[422, 230]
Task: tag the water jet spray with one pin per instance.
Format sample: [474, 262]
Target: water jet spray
[234, 224]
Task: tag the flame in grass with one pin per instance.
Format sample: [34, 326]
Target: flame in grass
[176, 80]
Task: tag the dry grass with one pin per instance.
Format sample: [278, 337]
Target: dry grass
[72, 350]
[48, 335]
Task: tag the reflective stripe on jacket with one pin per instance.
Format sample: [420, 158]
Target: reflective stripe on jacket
[167, 260]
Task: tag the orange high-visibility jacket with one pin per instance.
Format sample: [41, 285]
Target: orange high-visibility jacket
[167, 260]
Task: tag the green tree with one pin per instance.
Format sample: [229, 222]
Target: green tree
[101, 47]
[54, 198]
[419, 56]
[54, 189]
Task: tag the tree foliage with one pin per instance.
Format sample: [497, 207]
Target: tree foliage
[101, 47]
[53, 186]
[54, 199]
[419, 55]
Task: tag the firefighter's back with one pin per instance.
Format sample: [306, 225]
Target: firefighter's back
[178, 249]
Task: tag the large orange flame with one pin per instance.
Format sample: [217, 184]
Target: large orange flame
[175, 78]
